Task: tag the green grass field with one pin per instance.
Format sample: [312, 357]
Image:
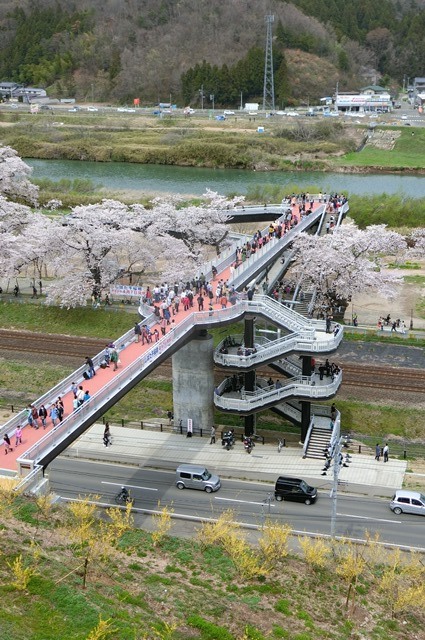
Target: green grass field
[99, 323]
[408, 152]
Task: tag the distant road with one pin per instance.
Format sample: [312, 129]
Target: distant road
[70, 478]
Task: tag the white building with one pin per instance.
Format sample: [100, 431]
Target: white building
[363, 102]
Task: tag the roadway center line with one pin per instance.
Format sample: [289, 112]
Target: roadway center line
[132, 486]
[244, 501]
[348, 515]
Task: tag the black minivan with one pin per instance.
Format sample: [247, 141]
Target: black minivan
[294, 489]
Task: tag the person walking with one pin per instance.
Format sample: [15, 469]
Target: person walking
[18, 435]
[7, 445]
[212, 440]
[386, 452]
[60, 407]
[42, 413]
[114, 358]
[107, 435]
[54, 414]
[89, 363]
[137, 332]
[80, 395]
[378, 452]
[106, 355]
[34, 415]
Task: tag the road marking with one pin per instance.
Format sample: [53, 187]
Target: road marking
[347, 515]
[254, 527]
[244, 501]
[132, 486]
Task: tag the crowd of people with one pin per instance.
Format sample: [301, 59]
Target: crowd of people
[199, 294]
[397, 326]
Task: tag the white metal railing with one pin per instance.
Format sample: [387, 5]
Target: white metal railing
[323, 411]
[302, 386]
[308, 436]
[35, 475]
[227, 257]
[64, 386]
[245, 272]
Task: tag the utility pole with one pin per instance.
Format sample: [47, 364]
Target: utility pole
[338, 461]
[201, 93]
[268, 89]
[212, 98]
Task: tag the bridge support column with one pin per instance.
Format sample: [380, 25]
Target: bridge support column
[305, 406]
[305, 419]
[193, 383]
[249, 426]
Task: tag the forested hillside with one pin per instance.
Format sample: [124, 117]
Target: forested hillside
[120, 49]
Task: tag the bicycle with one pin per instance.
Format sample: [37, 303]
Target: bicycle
[123, 497]
[280, 445]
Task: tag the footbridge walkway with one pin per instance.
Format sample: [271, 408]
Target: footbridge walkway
[39, 446]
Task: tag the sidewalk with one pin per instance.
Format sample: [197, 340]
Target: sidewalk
[166, 451]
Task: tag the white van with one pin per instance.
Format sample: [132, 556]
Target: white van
[192, 476]
[404, 501]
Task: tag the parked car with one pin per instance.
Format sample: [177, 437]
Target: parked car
[92, 109]
[227, 112]
[45, 107]
[294, 489]
[404, 501]
[74, 109]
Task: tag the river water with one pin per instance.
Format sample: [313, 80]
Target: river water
[160, 179]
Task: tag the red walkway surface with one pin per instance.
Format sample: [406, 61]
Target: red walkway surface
[30, 435]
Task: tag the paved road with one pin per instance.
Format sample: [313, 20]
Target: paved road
[70, 478]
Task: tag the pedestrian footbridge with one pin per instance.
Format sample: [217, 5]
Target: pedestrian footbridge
[300, 335]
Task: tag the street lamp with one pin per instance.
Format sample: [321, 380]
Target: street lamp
[212, 96]
[201, 93]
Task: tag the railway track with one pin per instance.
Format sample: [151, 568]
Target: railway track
[355, 375]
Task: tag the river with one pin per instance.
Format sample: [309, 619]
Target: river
[161, 179]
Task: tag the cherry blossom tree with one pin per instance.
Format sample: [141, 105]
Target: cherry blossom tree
[14, 178]
[95, 245]
[347, 261]
[23, 233]
[91, 248]
[196, 225]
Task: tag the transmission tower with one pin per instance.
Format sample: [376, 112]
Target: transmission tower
[268, 91]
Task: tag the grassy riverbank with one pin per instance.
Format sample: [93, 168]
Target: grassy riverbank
[286, 144]
[234, 143]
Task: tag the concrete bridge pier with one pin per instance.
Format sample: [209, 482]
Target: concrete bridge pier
[193, 383]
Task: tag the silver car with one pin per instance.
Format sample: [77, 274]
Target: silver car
[192, 476]
[404, 501]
